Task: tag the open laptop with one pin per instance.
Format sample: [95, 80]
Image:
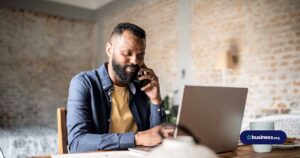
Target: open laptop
[213, 114]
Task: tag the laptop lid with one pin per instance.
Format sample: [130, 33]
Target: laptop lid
[214, 115]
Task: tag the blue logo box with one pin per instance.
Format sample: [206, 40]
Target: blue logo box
[263, 137]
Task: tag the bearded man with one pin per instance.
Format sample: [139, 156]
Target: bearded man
[109, 108]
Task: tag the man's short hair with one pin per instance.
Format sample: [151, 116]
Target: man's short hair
[134, 29]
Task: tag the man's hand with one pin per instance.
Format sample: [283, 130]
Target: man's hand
[150, 137]
[152, 88]
[167, 131]
[153, 136]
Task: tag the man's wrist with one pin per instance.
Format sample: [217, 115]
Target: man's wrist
[156, 101]
[136, 138]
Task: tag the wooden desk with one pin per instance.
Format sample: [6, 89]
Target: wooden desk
[247, 152]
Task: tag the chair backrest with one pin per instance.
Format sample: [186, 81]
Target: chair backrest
[62, 131]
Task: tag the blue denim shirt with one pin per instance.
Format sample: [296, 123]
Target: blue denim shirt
[89, 112]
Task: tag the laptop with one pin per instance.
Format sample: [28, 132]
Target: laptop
[213, 114]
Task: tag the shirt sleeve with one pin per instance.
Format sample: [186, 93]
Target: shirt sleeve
[81, 135]
[157, 114]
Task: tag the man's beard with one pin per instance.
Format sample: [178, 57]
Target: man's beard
[123, 76]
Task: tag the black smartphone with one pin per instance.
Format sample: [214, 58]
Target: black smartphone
[142, 83]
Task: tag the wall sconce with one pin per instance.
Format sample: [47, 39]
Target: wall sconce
[224, 62]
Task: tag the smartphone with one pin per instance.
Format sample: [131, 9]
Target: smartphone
[142, 83]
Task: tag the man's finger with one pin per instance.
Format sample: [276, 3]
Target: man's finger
[148, 86]
[145, 77]
[147, 70]
[168, 130]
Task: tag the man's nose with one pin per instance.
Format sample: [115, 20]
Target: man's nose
[134, 60]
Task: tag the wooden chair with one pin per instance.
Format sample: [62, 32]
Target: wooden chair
[62, 131]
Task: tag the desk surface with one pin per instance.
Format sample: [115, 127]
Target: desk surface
[240, 152]
[247, 152]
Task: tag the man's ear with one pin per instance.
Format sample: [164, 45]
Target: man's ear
[108, 49]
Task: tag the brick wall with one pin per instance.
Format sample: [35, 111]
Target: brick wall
[39, 55]
[266, 37]
[158, 18]
[263, 35]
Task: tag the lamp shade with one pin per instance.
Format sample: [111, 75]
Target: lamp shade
[224, 61]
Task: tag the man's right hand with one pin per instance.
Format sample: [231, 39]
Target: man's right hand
[150, 137]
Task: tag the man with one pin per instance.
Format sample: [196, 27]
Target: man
[107, 108]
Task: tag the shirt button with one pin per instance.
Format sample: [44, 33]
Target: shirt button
[158, 110]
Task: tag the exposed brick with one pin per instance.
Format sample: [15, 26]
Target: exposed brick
[288, 56]
[284, 63]
[268, 43]
[283, 77]
[284, 90]
[297, 62]
[296, 83]
[39, 56]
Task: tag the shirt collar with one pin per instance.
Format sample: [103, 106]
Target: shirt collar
[106, 81]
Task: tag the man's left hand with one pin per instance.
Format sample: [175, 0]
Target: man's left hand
[152, 88]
